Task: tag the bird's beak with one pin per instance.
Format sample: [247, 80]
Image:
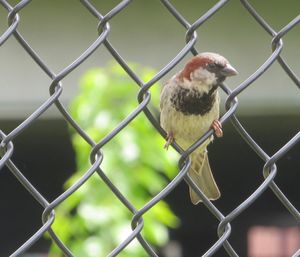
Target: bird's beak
[228, 70]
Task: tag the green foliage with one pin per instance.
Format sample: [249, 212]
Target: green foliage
[92, 222]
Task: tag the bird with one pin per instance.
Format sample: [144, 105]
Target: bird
[189, 107]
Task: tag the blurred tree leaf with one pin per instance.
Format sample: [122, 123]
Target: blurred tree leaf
[92, 222]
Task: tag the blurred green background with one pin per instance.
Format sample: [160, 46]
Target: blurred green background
[145, 33]
[134, 161]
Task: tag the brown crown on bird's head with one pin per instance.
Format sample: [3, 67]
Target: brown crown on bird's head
[211, 62]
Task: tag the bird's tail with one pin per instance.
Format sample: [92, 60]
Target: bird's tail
[201, 174]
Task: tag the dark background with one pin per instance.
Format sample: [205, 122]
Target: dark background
[45, 156]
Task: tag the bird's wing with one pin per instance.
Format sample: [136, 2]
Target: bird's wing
[163, 97]
[165, 92]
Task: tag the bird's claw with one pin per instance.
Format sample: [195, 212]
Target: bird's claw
[170, 140]
[217, 126]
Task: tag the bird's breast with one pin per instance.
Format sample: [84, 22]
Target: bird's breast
[187, 126]
[191, 101]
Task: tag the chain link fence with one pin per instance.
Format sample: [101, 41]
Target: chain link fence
[96, 155]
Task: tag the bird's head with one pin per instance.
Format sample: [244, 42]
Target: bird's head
[207, 68]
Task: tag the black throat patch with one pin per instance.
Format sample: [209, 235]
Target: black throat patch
[191, 101]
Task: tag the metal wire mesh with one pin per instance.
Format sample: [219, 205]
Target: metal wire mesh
[96, 156]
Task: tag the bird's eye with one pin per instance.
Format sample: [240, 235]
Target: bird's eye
[214, 67]
[219, 66]
[211, 65]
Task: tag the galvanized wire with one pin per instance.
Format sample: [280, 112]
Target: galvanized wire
[96, 156]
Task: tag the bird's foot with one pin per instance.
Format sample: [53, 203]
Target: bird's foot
[217, 126]
[170, 140]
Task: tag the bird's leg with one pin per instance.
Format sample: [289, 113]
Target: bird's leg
[170, 139]
[217, 126]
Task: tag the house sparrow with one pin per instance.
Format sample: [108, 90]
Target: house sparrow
[189, 106]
